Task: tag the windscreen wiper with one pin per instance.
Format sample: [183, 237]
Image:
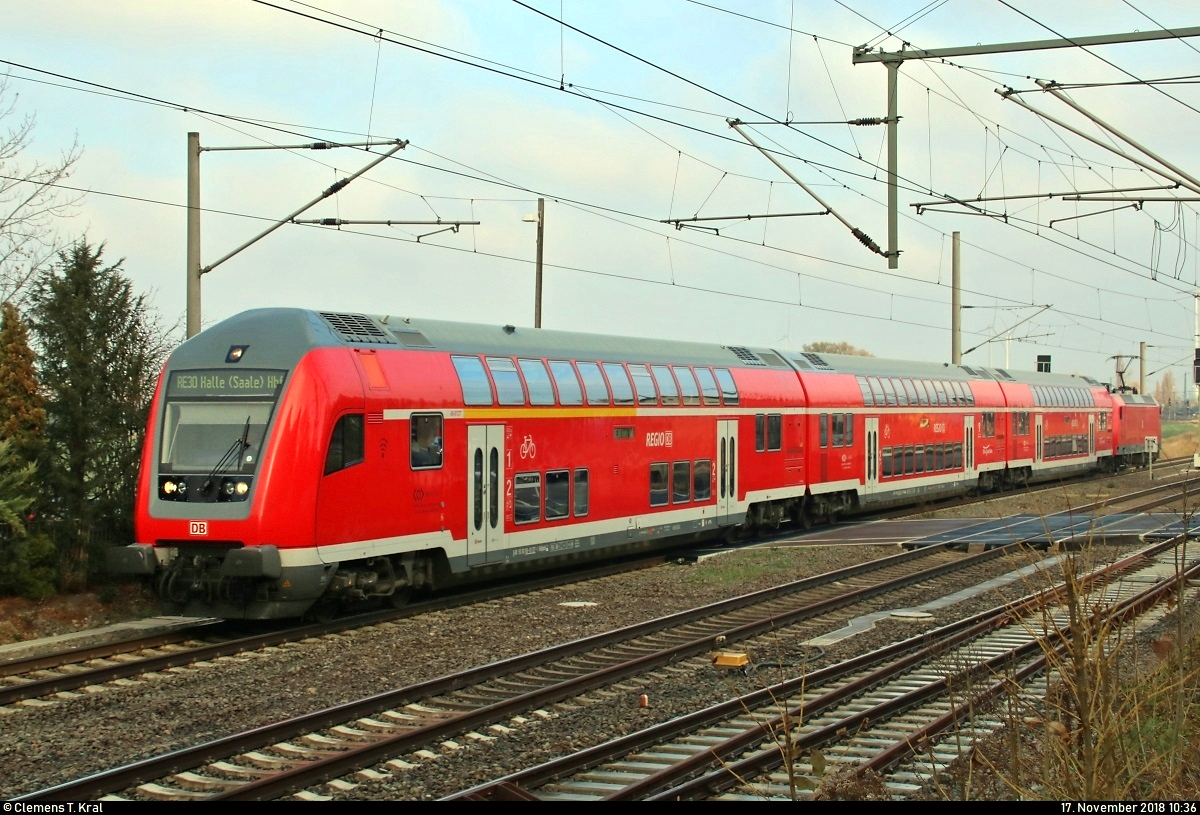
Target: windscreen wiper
[231, 455]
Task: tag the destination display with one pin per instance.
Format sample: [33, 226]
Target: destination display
[248, 382]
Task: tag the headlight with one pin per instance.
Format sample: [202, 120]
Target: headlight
[172, 489]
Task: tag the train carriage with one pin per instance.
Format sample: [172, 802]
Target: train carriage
[298, 460]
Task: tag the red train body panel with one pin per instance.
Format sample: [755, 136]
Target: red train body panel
[299, 459]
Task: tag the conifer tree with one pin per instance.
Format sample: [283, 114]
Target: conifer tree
[27, 559]
[100, 352]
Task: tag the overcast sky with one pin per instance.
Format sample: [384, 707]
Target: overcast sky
[617, 117]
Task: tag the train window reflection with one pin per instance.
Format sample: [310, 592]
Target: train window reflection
[527, 497]
[558, 494]
[471, 376]
[567, 382]
[702, 480]
[687, 385]
[622, 390]
[658, 484]
[708, 387]
[538, 381]
[593, 383]
[581, 493]
[666, 384]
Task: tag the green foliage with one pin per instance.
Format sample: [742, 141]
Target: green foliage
[100, 353]
[27, 562]
[1172, 429]
[29, 567]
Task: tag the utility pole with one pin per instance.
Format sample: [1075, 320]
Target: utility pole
[540, 218]
[193, 234]
[892, 60]
[955, 305]
[194, 269]
[1142, 368]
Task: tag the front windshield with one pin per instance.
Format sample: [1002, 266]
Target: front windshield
[198, 435]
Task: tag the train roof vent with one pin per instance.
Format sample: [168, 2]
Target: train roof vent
[412, 338]
[818, 362]
[357, 328]
[746, 355]
[772, 360]
[1091, 381]
[975, 372]
[1005, 375]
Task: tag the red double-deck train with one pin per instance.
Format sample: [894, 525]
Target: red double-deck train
[296, 459]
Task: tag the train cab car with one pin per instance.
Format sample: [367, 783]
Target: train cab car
[297, 459]
[1137, 430]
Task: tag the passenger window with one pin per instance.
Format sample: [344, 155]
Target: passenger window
[581, 493]
[527, 498]
[473, 380]
[681, 482]
[593, 383]
[567, 382]
[877, 395]
[889, 392]
[849, 429]
[940, 386]
[775, 431]
[666, 384]
[838, 429]
[910, 388]
[558, 494]
[708, 387]
[824, 429]
[886, 467]
[622, 390]
[538, 381]
[728, 387]
[425, 440]
[702, 480]
[760, 432]
[865, 389]
[509, 390]
[687, 385]
[346, 443]
[658, 484]
[901, 394]
[643, 383]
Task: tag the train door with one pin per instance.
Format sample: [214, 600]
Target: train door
[485, 493]
[871, 480]
[969, 446]
[1037, 440]
[727, 470]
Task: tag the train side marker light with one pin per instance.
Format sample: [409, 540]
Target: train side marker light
[728, 659]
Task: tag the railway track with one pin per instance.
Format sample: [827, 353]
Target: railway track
[272, 763]
[353, 738]
[68, 670]
[891, 713]
[1165, 466]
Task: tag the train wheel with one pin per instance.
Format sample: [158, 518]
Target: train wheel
[806, 519]
[399, 598]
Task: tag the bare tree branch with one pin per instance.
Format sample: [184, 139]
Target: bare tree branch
[31, 203]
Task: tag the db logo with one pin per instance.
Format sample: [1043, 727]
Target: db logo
[197, 527]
